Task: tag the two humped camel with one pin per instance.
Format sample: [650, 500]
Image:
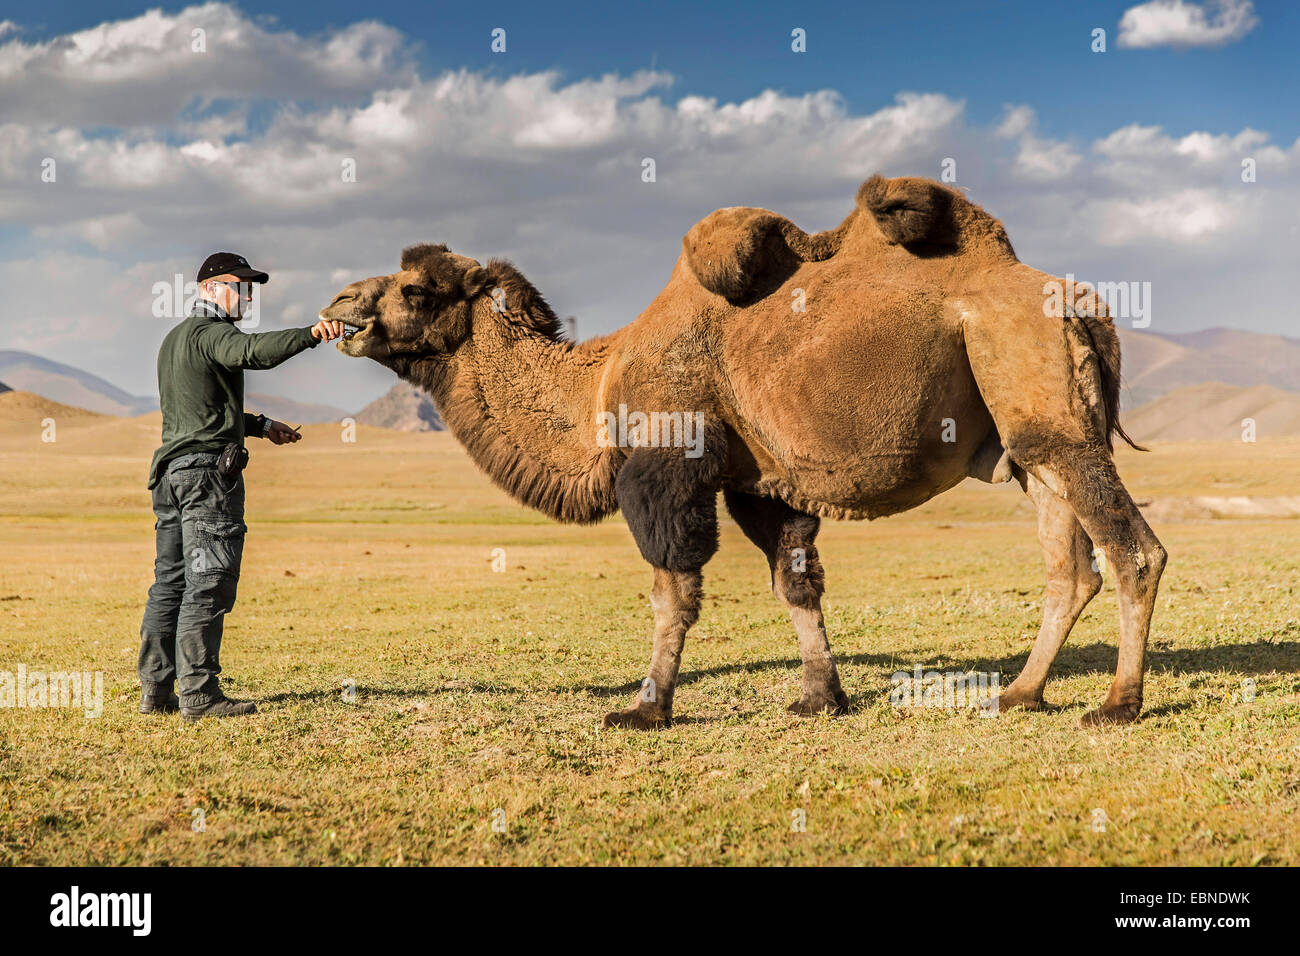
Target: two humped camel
[925, 355]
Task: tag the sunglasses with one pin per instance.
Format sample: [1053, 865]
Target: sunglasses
[238, 286]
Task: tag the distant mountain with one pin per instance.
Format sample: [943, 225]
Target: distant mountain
[72, 386]
[5, 388]
[1214, 411]
[404, 408]
[1156, 364]
[69, 386]
[291, 412]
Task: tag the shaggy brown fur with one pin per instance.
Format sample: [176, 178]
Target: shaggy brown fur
[923, 354]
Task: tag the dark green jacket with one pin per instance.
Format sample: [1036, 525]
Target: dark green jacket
[201, 381]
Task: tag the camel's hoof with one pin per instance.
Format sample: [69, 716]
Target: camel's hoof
[1011, 700]
[1108, 714]
[825, 703]
[637, 719]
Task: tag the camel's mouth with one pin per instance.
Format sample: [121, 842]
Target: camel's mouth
[354, 338]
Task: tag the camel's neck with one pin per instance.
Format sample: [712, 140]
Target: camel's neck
[524, 405]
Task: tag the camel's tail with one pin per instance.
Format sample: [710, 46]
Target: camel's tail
[1105, 342]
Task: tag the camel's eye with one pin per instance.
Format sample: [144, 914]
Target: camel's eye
[416, 294]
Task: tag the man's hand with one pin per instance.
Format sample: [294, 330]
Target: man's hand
[327, 330]
[282, 434]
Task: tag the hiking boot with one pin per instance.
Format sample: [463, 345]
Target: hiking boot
[221, 707]
[158, 700]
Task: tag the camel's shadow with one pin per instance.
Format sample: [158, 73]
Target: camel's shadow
[1245, 660]
[1262, 657]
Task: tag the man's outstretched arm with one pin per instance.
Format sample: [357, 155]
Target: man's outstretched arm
[226, 345]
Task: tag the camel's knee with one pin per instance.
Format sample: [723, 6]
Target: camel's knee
[1155, 557]
[1089, 587]
[798, 578]
[786, 538]
[1139, 559]
[676, 597]
[1073, 587]
[1085, 477]
[1087, 584]
[797, 575]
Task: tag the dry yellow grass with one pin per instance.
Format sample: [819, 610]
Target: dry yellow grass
[479, 692]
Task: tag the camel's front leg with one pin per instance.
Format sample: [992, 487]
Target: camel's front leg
[797, 578]
[670, 503]
[675, 599]
[788, 539]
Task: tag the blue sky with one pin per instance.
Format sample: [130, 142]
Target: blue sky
[1115, 166]
[989, 54]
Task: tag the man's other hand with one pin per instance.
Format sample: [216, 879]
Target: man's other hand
[282, 434]
[327, 330]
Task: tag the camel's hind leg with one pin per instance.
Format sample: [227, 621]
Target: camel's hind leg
[786, 537]
[1086, 478]
[1041, 380]
[1083, 474]
[1072, 581]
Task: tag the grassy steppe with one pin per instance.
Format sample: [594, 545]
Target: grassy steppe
[479, 691]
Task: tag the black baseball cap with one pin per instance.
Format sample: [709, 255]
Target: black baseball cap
[229, 263]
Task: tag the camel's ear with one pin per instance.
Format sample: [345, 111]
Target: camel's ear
[909, 210]
[473, 281]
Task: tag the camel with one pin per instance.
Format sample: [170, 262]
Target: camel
[848, 374]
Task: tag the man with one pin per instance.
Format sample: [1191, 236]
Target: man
[200, 509]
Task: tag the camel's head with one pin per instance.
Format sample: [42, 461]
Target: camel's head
[423, 310]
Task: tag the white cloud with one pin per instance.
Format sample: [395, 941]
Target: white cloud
[1148, 142]
[104, 232]
[1182, 24]
[1016, 122]
[1036, 158]
[1185, 217]
[145, 71]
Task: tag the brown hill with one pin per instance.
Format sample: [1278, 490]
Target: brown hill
[404, 408]
[1158, 363]
[291, 411]
[19, 409]
[1214, 411]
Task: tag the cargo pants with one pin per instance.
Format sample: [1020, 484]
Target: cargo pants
[200, 544]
